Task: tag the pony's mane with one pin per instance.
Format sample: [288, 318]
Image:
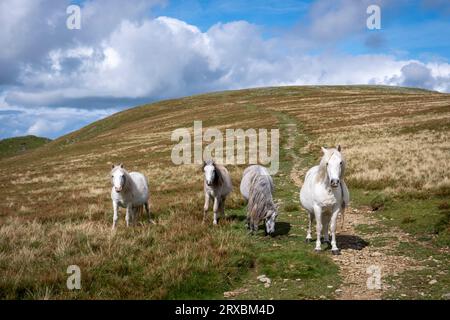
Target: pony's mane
[218, 177]
[260, 198]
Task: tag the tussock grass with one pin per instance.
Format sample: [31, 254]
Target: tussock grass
[57, 211]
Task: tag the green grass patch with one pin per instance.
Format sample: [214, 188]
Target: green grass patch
[18, 145]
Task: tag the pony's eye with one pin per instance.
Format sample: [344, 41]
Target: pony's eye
[327, 163]
[341, 163]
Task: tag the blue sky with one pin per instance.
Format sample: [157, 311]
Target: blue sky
[54, 80]
[411, 26]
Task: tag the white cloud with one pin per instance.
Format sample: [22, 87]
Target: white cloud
[166, 57]
[435, 76]
[42, 127]
[120, 53]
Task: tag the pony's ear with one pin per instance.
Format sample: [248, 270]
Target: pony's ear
[338, 147]
[121, 165]
[324, 150]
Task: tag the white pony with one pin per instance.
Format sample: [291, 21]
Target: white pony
[325, 195]
[130, 191]
[257, 188]
[217, 185]
[248, 175]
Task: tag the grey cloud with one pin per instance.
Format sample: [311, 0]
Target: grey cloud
[116, 63]
[417, 75]
[32, 28]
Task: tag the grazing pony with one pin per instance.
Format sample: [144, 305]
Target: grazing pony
[324, 195]
[257, 187]
[130, 191]
[249, 174]
[217, 185]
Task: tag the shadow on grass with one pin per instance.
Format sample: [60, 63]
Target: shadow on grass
[345, 241]
[281, 229]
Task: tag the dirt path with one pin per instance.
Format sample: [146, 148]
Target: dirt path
[359, 260]
[363, 254]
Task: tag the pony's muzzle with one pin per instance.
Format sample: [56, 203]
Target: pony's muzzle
[118, 189]
[335, 183]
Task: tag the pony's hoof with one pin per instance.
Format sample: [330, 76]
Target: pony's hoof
[336, 252]
[308, 240]
[317, 250]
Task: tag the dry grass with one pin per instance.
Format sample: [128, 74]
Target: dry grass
[394, 141]
[58, 212]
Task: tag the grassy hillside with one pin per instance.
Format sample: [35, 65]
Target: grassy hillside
[57, 212]
[14, 146]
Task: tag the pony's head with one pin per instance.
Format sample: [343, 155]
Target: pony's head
[334, 164]
[118, 177]
[209, 168]
[271, 216]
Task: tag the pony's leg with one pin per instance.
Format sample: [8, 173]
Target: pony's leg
[318, 217]
[216, 208]
[116, 214]
[222, 207]
[254, 227]
[326, 222]
[133, 215]
[205, 207]
[334, 248]
[310, 220]
[147, 210]
[129, 212]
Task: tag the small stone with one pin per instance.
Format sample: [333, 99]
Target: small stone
[403, 295]
[329, 287]
[338, 290]
[298, 279]
[266, 285]
[231, 294]
[283, 289]
[322, 297]
[446, 296]
[261, 276]
[285, 280]
[432, 281]
[375, 254]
